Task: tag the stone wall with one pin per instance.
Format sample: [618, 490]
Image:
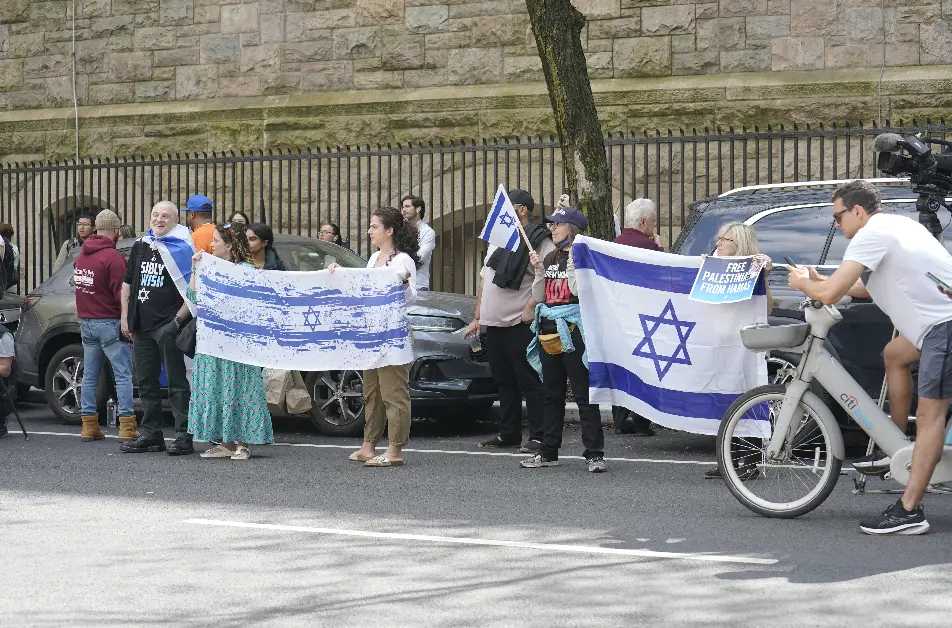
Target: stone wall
[197, 75]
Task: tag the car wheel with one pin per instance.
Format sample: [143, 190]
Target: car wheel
[338, 402]
[64, 378]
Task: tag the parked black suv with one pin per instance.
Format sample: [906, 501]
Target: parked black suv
[796, 220]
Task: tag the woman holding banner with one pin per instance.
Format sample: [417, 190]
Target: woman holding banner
[387, 389]
[228, 403]
[736, 239]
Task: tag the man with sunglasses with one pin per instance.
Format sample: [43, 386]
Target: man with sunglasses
[200, 219]
[889, 256]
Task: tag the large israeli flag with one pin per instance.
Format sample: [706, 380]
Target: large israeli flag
[502, 224]
[305, 321]
[651, 349]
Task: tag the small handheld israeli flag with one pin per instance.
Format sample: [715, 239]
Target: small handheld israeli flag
[502, 224]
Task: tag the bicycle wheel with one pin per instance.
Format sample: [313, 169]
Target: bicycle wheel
[793, 486]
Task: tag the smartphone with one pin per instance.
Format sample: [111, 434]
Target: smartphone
[939, 282]
[790, 262]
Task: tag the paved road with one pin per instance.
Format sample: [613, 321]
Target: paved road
[299, 536]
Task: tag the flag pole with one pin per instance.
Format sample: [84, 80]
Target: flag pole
[525, 238]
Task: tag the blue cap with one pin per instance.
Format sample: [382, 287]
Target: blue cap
[570, 215]
[199, 203]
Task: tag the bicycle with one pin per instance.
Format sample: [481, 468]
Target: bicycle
[797, 452]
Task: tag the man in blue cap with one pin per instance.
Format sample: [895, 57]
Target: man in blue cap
[200, 219]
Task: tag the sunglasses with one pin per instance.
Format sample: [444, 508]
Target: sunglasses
[838, 216]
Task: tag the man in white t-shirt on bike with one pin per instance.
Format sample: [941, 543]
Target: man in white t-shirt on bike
[890, 255]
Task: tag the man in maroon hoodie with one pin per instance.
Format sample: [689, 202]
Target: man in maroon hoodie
[97, 276]
[638, 229]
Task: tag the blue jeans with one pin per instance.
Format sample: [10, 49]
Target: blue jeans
[101, 339]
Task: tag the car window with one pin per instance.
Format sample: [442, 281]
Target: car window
[799, 234]
[701, 238]
[838, 245]
[310, 255]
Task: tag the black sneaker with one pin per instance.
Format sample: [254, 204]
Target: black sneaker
[596, 464]
[713, 474]
[497, 443]
[873, 464]
[896, 520]
[143, 444]
[3, 429]
[537, 462]
[182, 446]
[531, 446]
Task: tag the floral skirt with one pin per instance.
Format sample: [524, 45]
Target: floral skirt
[228, 402]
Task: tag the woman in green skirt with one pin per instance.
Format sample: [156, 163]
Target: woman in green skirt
[228, 403]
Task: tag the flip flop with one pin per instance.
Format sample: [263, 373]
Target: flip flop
[383, 461]
[358, 457]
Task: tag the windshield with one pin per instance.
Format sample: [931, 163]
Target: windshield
[308, 255]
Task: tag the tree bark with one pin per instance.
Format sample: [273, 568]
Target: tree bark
[557, 26]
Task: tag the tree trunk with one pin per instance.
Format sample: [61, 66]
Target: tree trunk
[557, 26]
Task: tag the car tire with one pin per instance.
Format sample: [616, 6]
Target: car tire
[64, 376]
[337, 402]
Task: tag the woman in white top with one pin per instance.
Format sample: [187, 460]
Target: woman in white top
[387, 389]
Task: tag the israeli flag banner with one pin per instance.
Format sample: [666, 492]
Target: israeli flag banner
[501, 228]
[653, 350]
[306, 321]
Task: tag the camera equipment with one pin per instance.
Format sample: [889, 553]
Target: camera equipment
[930, 174]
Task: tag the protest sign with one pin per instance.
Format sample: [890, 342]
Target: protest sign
[727, 279]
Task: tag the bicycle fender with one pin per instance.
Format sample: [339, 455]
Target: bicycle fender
[824, 414]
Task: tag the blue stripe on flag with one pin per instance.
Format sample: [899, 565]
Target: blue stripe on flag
[675, 402]
[497, 207]
[319, 297]
[511, 245]
[674, 279]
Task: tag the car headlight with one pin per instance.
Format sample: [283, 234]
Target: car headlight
[419, 322]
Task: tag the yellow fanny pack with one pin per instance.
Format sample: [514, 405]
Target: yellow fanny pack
[552, 343]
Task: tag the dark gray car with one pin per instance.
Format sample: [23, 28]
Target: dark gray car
[447, 378]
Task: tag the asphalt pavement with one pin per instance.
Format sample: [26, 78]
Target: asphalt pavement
[300, 536]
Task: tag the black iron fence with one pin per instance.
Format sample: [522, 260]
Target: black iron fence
[297, 192]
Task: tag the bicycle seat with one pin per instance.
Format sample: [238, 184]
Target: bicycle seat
[762, 337]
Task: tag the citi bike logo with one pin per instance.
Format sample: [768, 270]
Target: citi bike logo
[852, 404]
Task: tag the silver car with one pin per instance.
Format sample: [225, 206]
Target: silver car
[448, 378]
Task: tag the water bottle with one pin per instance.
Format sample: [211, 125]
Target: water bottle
[111, 413]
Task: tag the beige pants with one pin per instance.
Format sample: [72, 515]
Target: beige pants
[387, 401]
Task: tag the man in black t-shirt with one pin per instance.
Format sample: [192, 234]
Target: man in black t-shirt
[152, 313]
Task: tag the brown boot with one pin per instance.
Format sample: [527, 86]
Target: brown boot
[91, 429]
[127, 428]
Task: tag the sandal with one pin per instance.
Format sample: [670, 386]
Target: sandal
[358, 457]
[219, 451]
[241, 453]
[383, 461]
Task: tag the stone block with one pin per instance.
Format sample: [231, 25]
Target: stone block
[109, 26]
[505, 32]
[854, 56]
[797, 53]
[159, 38]
[27, 45]
[262, 59]
[598, 9]
[436, 59]
[163, 74]
[4, 41]
[59, 90]
[175, 12]
[594, 45]
[768, 27]
[742, 8]
[746, 61]
[250, 39]
[176, 57]
[600, 65]
[281, 84]
[370, 64]
[91, 56]
[724, 33]
[155, 91]
[307, 52]
[112, 94]
[145, 20]
[48, 16]
[220, 49]
[272, 29]
[863, 25]
[442, 41]
[378, 80]
[428, 19]
[516, 123]
[131, 7]
[935, 45]
[373, 12]
[642, 56]
[613, 28]
[11, 75]
[473, 66]
[904, 54]
[523, 69]
[356, 43]
[330, 76]
[696, 63]
[196, 82]
[778, 7]
[707, 10]
[31, 99]
[681, 44]
[130, 66]
[244, 87]
[671, 20]
[920, 13]
[402, 53]
[809, 18]
[12, 11]
[333, 18]
[207, 14]
[480, 9]
[900, 33]
[240, 18]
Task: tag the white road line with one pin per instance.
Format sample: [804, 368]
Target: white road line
[552, 547]
[448, 452]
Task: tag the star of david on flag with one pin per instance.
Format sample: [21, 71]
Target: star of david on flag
[678, 362]
[501, 228]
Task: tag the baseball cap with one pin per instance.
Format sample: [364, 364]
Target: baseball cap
[107, 219]
[521, 197]
[570, 215]
[199, 203]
